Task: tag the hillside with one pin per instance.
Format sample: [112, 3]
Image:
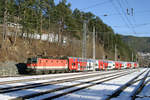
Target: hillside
[140, 44]
[47, 17]
[24, 48]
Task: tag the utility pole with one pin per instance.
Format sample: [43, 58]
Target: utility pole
[132, 56]
[115, 52]
[84, 41]
[4, 24]
[93, 42]
[94, 46]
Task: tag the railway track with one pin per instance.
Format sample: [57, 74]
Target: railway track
[73, 88]
[134, 93]
[139, 87]
[39, 84]
[49, 77]
[41, 78]
[143, 96]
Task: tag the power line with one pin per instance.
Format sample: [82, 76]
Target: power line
[132, 27]
[120, 14]
[136, 12]
[126, 5]
[119, 26]
[132, 11]
[95, 5]
[127, 2]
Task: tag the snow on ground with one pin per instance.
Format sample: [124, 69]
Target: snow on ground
[71, 83]
[34, 76]
[43, 76]
[127, 92]
[15, 94]
[145, 93]
[92, 93]
[48, 80]
[99, 92]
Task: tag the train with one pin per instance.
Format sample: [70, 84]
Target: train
[47, 65]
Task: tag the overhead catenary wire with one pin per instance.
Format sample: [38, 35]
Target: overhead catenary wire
[132, 27]
[131, 11]
[95, 5]
[120, 14]
[114, 14]
[129, 24]
[127, 2]
[124, 3]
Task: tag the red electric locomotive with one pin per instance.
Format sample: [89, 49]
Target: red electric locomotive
[46, 65]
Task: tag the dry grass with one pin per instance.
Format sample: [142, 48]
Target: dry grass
[22, 49]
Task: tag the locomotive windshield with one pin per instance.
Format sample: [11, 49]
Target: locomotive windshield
[32, 60]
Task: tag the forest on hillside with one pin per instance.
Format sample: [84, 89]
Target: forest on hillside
[140, 44]
[45, 16]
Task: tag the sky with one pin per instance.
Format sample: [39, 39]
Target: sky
[136, 23]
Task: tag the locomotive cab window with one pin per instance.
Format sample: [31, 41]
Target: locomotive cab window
[29, 60]
[32, 60]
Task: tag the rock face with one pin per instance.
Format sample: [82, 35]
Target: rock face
[8, 68]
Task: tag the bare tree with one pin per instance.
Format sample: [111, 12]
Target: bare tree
[5, 23]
